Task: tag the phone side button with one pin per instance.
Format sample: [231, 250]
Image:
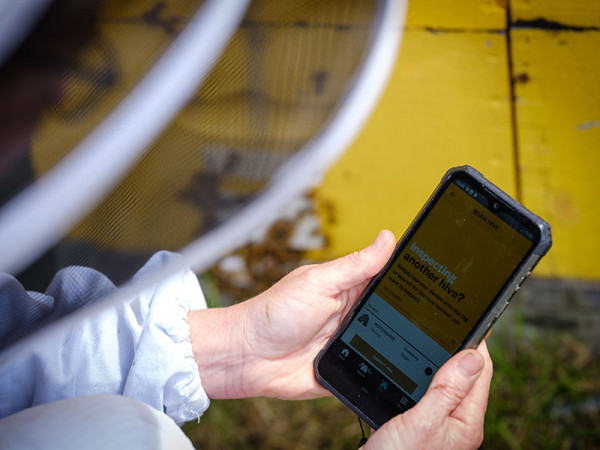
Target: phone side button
[523, 278]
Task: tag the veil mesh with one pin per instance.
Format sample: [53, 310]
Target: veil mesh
[289, 86]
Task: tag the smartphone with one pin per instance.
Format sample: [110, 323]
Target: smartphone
[450, 277]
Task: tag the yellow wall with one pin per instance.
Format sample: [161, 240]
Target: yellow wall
[450, 102]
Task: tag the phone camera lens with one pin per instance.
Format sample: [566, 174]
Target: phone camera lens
[496, 205]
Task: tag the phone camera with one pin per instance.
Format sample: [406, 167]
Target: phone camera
[496, 205]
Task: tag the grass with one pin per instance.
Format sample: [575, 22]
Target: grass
[545, 391]
[545, 394]
[275, 424]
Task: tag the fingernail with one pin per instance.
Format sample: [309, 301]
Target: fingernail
[380, 240]
[470, 364]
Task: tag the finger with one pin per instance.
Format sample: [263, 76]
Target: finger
[451, 384]
[472, 410]
[358, 267]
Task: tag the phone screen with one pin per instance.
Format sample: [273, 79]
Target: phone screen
[442, 280]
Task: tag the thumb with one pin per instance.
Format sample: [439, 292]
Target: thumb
[360, 266]
[451, 384]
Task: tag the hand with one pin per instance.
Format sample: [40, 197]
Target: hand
[451, 413]
[266, 346]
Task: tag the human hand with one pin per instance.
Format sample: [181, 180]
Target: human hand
[266, 346]
[450, 415]
[290, 323]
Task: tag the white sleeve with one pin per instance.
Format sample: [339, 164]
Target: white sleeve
[140, 349]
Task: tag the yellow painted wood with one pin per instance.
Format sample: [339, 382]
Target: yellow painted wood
[458, 14]
[447, 104]
[558, 112]
[583, 13]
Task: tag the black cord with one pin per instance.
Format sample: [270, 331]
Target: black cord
[363, 440]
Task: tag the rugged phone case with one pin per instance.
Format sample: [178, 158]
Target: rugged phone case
[503, 298]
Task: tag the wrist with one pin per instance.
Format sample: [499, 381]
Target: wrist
[221, 351]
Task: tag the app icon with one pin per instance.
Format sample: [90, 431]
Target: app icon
[364, 319]
[364, 369]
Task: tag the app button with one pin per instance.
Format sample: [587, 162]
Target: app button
[364, 319]
[364, 369]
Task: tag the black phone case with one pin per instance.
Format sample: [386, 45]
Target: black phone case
[498, 306]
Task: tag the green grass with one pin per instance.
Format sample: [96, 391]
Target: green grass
[275, 424]
[545, 391]
[544, 394]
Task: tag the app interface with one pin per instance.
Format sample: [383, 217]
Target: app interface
[438, 287]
